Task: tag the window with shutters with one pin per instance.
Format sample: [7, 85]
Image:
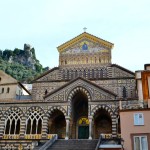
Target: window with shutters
[138, 119]
[140, 143]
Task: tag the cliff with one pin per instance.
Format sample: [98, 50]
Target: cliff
[21, 64]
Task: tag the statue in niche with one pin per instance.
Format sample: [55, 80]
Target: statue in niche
[84, 46]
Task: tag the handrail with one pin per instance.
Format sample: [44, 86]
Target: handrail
[99, 141]
[49, 142]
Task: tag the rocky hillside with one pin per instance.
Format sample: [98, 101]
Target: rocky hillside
[21, 64]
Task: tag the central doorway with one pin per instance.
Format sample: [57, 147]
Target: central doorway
[80, 125]
[83, 128]
[83, 132]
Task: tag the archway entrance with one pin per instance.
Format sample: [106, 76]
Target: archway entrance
[57, 124]
[102, 123]
[80, 125]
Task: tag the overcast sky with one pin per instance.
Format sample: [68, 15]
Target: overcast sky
[46, 24]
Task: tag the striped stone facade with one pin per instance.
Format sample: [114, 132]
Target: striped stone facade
[86, 85]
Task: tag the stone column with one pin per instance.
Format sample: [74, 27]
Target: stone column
[90, 127]
[45, 127]
[2, 127]
[67, 127]
[139, 87]
[114, 126]
[23, 127]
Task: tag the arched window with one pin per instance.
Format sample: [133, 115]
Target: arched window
[46, 92]
[97, 74]
[105, 73]
[93, 73]
[76, 73]
[80, 73]
[63, 74]
[71, 74]
[8, 89]
[12, 123]
[2, 90]
[87, 60]
[84, 74]
[124, 92]
[99, 60]
[95, 60]
[65, 62]
[34, 122]
[67, 74]
[88, 74]
[101, 73]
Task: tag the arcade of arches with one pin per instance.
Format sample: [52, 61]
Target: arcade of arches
[79, 99]
[79, 125]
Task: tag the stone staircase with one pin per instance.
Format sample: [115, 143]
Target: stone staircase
[39, 145]
[74, 144]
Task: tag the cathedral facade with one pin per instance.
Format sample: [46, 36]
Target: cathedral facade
[79, 99]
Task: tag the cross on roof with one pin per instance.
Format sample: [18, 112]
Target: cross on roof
[84, 29]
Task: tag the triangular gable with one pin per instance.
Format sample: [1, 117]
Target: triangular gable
[97, 92]
[6, 79]
[81, 37]
[121, 71]
[44, 75]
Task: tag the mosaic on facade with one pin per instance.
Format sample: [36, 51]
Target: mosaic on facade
[83, 93]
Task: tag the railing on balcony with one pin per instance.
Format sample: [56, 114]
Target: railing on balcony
[33, 136]
[7, 136]
[109, 136]
[109, 142]
[28, 136]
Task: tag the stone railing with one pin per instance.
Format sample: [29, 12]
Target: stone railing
[109, 136]
[54, 137]
[27, 136]
[7, 136]
[50, 136]
[33, 136]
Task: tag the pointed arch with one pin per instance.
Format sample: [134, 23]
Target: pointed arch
[52, 109]
[12, 121]
[105, 107]
[34, 120]
[104, 120]
[77, 89]
[56, 121]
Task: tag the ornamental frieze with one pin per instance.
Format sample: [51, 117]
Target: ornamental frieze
[85, 46]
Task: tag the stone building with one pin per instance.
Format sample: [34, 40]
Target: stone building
[135, 129]
[79, 99]
[10, 88]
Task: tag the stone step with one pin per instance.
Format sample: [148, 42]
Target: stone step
[39, 146]
[74, 145]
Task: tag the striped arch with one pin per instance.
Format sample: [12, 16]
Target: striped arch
[77, 89]
[34, 120]
[35, 108]
[13, 120]
[1, 114]
[112, 115]
[116, 111]
[52, 109]
[73, 92]
[105, 107]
